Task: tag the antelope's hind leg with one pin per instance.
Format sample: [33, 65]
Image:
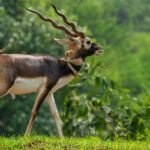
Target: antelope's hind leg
[5, 84]
[3, 89]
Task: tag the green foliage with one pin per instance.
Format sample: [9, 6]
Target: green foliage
[111, 97]
[101, 107]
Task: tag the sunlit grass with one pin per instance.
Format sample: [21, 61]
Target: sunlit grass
[89, 143]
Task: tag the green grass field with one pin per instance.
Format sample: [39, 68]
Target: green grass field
[89, 143]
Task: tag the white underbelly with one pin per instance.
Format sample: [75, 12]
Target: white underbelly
[27, 85]
[30, 85]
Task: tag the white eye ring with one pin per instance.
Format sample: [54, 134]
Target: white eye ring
[88, 42]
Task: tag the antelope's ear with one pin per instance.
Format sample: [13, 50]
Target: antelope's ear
[62, 41]
[73, 40]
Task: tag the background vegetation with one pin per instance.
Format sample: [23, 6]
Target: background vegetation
[111, 98]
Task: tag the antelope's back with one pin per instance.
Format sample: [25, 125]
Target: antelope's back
[32, 66]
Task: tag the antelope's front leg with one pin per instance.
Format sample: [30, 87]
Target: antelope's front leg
[55, 114]
[39, 100]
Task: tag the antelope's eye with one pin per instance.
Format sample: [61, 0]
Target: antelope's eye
[88, 42]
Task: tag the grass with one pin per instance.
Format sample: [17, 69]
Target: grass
[89, 143]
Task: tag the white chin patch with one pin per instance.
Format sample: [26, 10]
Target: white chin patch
[98, 52]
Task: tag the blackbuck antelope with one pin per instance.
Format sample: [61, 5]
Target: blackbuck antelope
[23, 74]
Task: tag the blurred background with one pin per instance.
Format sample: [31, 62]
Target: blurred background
[109, 99]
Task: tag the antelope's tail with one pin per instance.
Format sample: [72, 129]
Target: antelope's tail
[2, 51]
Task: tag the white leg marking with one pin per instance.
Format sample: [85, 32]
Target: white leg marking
[55, 114]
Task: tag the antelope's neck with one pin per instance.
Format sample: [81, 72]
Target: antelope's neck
[64, 68]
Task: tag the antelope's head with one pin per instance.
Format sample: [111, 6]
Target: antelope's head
[79, 46]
